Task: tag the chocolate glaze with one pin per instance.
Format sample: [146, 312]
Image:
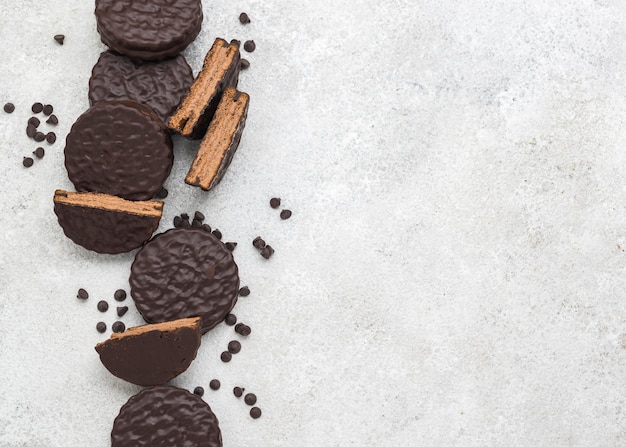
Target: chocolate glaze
[158, 85]
[184, 272]
[151, 357]
[148, 29]
[120, 148]
[165, 416]
[105, 231]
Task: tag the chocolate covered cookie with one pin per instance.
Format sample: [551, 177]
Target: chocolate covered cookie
[120, 148]
[182, 273]
[221, 140]
[148, 29]
[152, 354]
[105, 223]
[166, 416]
[159, 85]
[220, 70]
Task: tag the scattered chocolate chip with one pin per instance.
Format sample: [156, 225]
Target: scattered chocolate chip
[226, 356]
[39, 137]
[249, 46]
[196, 223]
[285, 214]
[101, 327]
[34, 121]
[121, 311]
[217, 233]
[230, 245]
[243, 329]
[258, 242]
[119, 295]
[234, 347]
[238, 391]
[215, 384]
[267, 251]
[198, 391]
[9, 107]
[103, 306]
[198, 216]
[230, 319]
[250, 399]
[37, 107]
[39, 152]
[51, 137]
[53, 120]
[31, 131]
[243, 18]
[255, 412]
[48, 109]
[177, 221]
[244, 291]
[244, 64]
[161, 194]
[82, 294]
[60, 38]
[275, 202]
[118, 327]
[27, 162]
[206, 227]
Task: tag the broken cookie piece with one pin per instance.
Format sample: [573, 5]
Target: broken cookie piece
[152, 354]
[221, 140]
[220, 70]
[105, 223]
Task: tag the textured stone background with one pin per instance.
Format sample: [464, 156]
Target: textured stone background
[453, 273]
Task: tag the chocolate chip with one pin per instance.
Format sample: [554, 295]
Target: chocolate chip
[196, 223]
[235, 42]
[206, 227]
[230, 245]
[27, 162]
[48, 109]
[103, 306]
[184, 222]
[243, 18]
[198, 391]
[37, 107]
[82, 294]
[9, 107]
[226, 356]
[101, 327]
[244, 291]
[121, 311]
[39, 137]
[244, 64]
[243, 329]
[275, 202]
[31, 131]
[285, 214]
[249, 46]
[198, 216]
[119, 295]
[255, 412]
[230, 319]
[177, 221]
[53, 120]
[118, 327]
[234, 347]
[238, 391]
[60, 38]
[258, 242]
[34, 121]
[184, 216]
[39, 152]
[215, 384]
[267, 252]
[161, 194]
[51, 137]
[217, 233]
[250, 399]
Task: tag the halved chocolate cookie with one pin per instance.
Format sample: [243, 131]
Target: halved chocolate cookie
[152, 354]
[148, 29]
[221, 140]
[220, 70]
[120, 148]
[166, 416]
[105, 223]
[184, 272]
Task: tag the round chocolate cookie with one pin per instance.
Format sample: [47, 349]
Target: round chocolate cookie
[148, 29]
[166, 416]
[120, 148]
[182, 273]
[158, 85]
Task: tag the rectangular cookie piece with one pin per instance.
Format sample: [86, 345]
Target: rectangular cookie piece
[221, 140]
[219, 71]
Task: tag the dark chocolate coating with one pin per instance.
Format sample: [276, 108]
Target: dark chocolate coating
[105, 231]
[158, 85]
[184, 272]
[165, 416]
[120, 148]
[153, 357]
[148, 29]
